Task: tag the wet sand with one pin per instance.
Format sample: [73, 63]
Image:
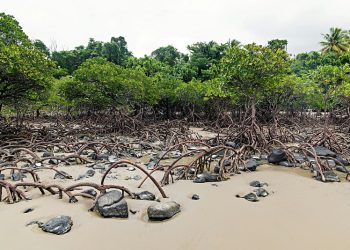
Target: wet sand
[300, 213]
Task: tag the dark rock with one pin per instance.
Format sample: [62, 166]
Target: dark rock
[230, 144]
[90, 191]
[331, 163]
[195, 197]
[48, 154]
[112, 158]
[99, 167]
[53, 161]
[251, 165]
[276, 156]
[2, 177]
[150, 165]
[257, 184]
[342, 160]
[261, 192]
[192, 171]
[323, 151]
[28, 210]
[145, 195]
[341, 169]
[330, 176]
[58, 225]
[62, 175]
[17, 176]
[90, 173]
[206, 177]
[249, 197]
[73, 199]
[286, 164]
[163, 210]
[133, 211]
[112, 204]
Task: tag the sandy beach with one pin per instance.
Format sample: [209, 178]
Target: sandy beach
[299, 213]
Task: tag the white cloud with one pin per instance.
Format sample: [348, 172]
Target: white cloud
[149, 24]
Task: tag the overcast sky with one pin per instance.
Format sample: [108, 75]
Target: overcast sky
[149, 24]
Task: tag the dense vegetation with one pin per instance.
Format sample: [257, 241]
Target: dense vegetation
[208, 82]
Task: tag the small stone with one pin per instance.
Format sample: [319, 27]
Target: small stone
[137, 177]
[90, 173]
[17, 176]
[249, 197]
[62, 175]
[53, 161]
[323, 151]
[90, 191]
[261, 192]
[99, 167]
[329, 176]
[28, 210]
[195, 197]
[131, 169]
[58, 225]
[276, 156]
[48, 154]
[145, 195]
[257, 184]
[2, 177]
[162, 211]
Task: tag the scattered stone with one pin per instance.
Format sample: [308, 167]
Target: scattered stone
[112, 158]
[137, 177]
[90, 173]
[112, 204]
[131, 169]
[261, 192]
[62, 175]
[257, 184]
[195, 197]
[28, 210]
[341, 169]
[276, 156]
[251, 165]
[329, 176]
[323, 151]
[342, 160]
[249, 197]
[2, 177]
[48, 154]
[286, 164]
[150, 165]
[133, 211]
[90, 191]
[73, 199]
[145, 195]
[58, 225]
[54, 161]
[163, 210]
[215, 185]
[17, 176]
[206, 177]
[230, 144]
[99, 167]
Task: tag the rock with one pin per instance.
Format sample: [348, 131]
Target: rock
[342, 160]
[48, 154]
[17, 176]
[341, 169]
[112, 158]
[137, 177]
[330, 176]
[323, 151]
[28, 210]
[62, 175]
[2, 177]
[331, 163]
[230, 144]
[112, 204]
[133, 211]
[249, 197]
[261, 192]
[90, 173]
[58, 225]
[251, 165]
[73, 199]
[257, 184]
[53, 161]
[99, 167]
[145, 195]
[195, 197]
[90, 191]
[131, 169]
[162, 155]
[163, 210]
[276, 156]
[206, 177]
[150, 165]
[286, 164]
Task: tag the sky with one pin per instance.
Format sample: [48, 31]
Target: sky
[150, 24]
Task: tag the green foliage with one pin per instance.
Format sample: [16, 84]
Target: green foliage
[337, 41]
[11, 32]
[253, 69]
[168, 55]
[276, 44]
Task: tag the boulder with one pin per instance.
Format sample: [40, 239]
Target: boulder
[112, 204]
[251, 165]
[276, 156]
[163, 210]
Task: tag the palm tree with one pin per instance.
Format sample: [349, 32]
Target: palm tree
[336, 41]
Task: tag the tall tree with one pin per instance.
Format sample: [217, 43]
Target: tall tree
[116, 51]
[169, 55]
[337, 40]
[278, 44]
